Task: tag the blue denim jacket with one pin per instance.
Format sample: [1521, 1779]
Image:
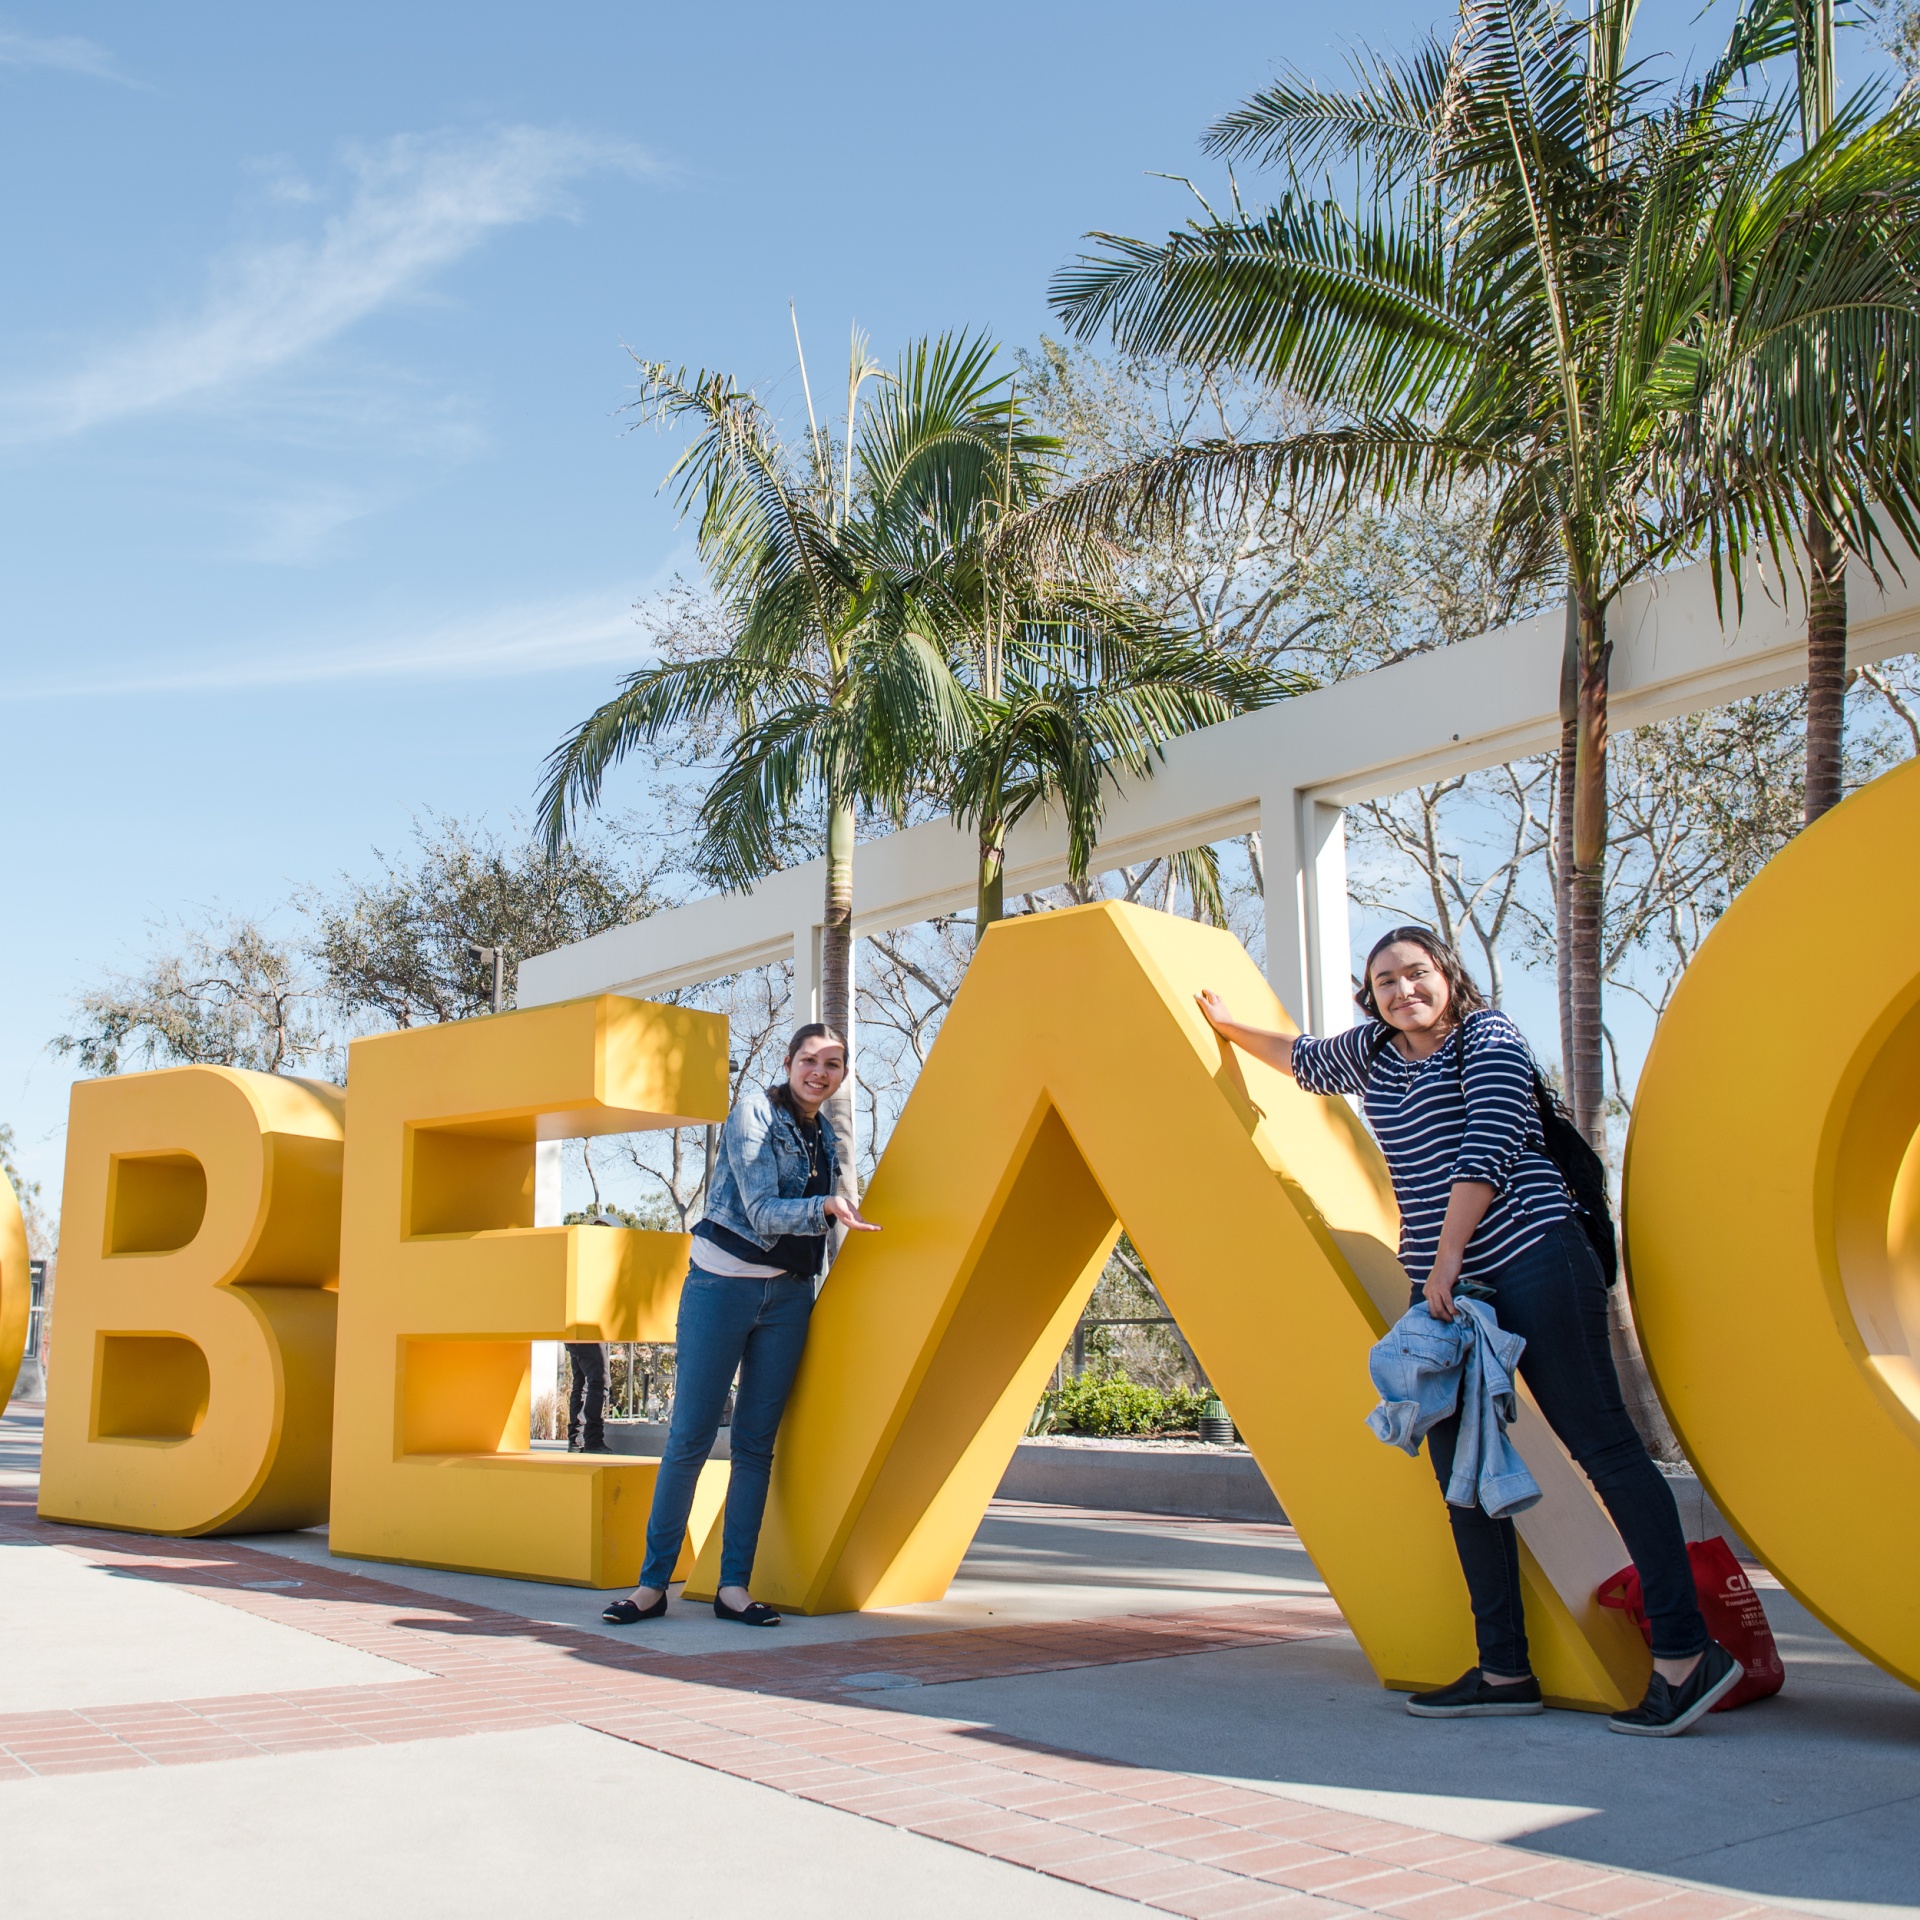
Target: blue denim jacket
[1425, 1368]
[760, 1168]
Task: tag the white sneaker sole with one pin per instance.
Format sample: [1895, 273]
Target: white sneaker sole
[1704, 1705]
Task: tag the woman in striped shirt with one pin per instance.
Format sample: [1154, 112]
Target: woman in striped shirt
[1448, 1087]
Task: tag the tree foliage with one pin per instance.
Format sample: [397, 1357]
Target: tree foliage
[1633, 315]
[827, 694]
[226, 994]
[1900, 35]
[393, 951]
[397, 950]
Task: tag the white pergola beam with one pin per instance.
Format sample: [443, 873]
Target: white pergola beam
[1285, 772]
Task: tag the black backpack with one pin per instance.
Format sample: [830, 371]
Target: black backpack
[1564, 1144]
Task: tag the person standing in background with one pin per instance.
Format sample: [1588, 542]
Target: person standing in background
[587, 1397]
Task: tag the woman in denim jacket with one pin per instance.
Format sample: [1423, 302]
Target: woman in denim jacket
[746, 1303]
[1448, 1084]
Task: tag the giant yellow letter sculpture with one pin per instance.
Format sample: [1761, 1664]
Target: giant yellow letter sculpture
[1076, 1081]
[1772, 1209]
[16, 1288]
[1773, 1218]
[193, 1324]
[445, 1280]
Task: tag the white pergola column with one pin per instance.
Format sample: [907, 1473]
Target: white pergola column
[549, 1209]
[1284, 900]
[1329, 931]
[806, 974]
[1304, 851]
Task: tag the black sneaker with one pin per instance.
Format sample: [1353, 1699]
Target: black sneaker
[1473, 1696]
[1668, 1710]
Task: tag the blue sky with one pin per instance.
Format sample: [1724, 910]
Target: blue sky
[318, 508]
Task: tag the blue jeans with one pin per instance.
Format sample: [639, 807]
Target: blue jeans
[760, 1327]
[1554, 1297]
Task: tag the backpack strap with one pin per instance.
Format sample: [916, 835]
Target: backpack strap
[1580, 1167]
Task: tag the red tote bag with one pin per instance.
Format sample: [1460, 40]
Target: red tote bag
[1733, 1613]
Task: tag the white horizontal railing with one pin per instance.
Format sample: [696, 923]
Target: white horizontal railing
[1286, 772]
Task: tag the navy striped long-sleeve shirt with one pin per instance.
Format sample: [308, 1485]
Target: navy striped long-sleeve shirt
[1448, 1118]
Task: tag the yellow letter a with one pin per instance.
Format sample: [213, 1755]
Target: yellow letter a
[1074, 1081]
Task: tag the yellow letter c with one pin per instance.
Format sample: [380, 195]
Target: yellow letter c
[1772, 1200]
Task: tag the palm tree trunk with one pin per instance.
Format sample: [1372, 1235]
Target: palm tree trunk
[991, 901]
[1649, 1417]
[836, 977]
[1826, 664]
[1563, 838]
[1586, 872]
[1587, 880]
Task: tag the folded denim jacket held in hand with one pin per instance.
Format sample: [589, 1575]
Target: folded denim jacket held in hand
[1426, 1369]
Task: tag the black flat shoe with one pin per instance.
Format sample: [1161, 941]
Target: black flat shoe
[1668, 1709]
[623, 1613]
[753, 1614]
[1474, 1697]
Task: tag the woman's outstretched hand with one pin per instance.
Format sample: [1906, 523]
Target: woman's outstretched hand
[1276, 1049]
[849, 1216]
[1215, 1009]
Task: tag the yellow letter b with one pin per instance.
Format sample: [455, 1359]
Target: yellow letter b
[193, 1386]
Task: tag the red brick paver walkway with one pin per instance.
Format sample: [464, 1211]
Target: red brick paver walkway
[1176, 1842]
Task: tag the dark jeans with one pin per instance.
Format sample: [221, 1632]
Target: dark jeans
[587, 1398]
[760, 1327]
[1554, 1297]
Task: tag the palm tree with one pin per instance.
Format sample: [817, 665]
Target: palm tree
[829, 695]
[1805, 28]
[1826, 564]
[1069, 693]
[1600, 302]
[1072, 683]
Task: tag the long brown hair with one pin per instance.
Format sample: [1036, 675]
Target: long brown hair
[781, 1091]
[1463, 997]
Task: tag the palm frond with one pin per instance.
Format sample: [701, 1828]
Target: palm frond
[945, 431]
[1197, 871]
[758, 526]
[653, 702]
[1341, 305]
[759, 790]
[1390, 118]
[1317, 475]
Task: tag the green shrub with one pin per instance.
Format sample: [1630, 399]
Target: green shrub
[1110, 1403]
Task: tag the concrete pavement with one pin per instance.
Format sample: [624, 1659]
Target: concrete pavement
[1811, 1798]
[613, 1772]
[1027, 1564]
[557, 1820]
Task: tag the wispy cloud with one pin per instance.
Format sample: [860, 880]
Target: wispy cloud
[297, 526]
[509, 642]
[66, 53]
[417, 205]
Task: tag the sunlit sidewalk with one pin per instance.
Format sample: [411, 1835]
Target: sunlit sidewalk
[1107, 1711]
